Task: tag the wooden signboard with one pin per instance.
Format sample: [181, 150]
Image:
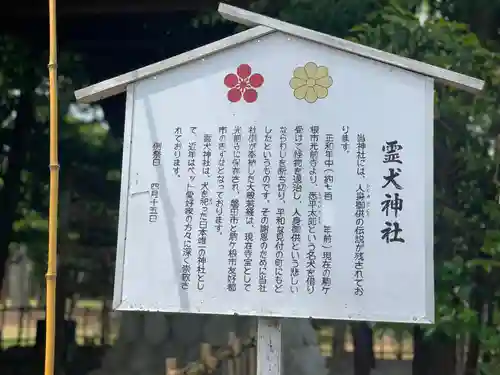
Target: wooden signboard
[279, 172]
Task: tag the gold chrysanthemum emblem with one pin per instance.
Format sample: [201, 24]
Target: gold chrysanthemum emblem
[311, 82]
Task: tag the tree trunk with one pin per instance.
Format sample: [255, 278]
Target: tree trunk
[338, 339]
[364, 358]
[421, 352]
[146, 339]
[443, 360]
[477, 302]
[433, 355]
[490, 322]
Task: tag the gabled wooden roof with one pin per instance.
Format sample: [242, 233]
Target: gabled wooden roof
[263, 26]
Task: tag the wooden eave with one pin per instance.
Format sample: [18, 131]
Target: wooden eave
[265, 25]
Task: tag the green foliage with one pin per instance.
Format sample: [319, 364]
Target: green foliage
[89, 157]
[466, 128]
[461, 35]
[467, 211]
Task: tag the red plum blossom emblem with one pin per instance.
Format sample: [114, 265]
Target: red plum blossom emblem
[243, 84]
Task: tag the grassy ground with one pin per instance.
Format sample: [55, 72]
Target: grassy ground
[21, 328]
[89, 330]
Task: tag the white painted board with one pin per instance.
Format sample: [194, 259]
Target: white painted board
[291, 220]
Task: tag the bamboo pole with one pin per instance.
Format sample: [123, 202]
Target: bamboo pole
[50, 331]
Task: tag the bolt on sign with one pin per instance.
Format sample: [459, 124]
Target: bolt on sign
[297, 183]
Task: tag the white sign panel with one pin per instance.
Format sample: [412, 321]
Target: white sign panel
[296, 183]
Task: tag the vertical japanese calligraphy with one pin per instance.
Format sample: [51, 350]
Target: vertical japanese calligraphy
[201, 239]
[313, 210]
[360, 216]
[280, 244]
[393, 201]
[326, 281]
[250, 208]
[236, 159]
[346, 144]
[153, 208]
[298, 164]
[267, 154]
[314, 202]
[205, 201]
[202, 234]
[298, 167]
[361, 155]
[156, 160]
[188, 229]
[328, 178]
[313, 154]
[264, 213]
[155, 187]
[275, 219]
[252, 162]
[177, 151]
[207, 155]
[328, 167]
[280, 208]
[264, 238]
[282, 170]
[234, 212]
[280, 212]
[233, 239]
[219, 201]
[295, 252]
[312, 222]
[187, 248]
[359, 241]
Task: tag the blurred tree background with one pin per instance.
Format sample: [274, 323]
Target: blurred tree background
[461, 35]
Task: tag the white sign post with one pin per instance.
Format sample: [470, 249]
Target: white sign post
[292, 184]
[269, 351]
